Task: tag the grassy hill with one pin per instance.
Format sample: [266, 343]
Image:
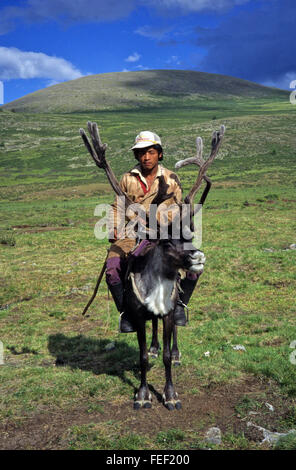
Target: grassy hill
[143, 89]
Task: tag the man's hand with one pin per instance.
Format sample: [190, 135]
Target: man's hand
[115, 237]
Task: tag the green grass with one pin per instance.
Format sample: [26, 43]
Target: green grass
[171, 439]
[92, 437]
[56, 361]
[287, 442]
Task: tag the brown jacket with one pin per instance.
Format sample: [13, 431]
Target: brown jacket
[131, 185]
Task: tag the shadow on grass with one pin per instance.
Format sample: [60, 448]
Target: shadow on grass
[81, 352]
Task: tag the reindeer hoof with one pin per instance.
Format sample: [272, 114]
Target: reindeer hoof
[176, 359]
[153, 355]
[176, 363]
[172, 403]
[170, 406]
[145, 403]
[142, 404]
[153, 352]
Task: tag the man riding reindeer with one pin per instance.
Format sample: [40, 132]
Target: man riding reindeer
[141, 185]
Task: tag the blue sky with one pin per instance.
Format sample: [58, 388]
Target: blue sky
[44, 42]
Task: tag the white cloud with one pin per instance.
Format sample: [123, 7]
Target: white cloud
[133, 57]
[173, 60]
[15, 64]
[52, 82]
[195, 5]
[285, 81]
[142, 67]
[152, 32]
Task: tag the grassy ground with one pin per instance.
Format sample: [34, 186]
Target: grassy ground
[60, 386]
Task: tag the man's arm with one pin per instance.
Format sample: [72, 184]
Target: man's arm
[117, 214]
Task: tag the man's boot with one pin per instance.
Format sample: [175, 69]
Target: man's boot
[187, 286]
[117, 294]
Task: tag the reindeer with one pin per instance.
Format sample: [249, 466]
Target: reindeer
[151, 283]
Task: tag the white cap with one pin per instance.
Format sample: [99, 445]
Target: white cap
[145, 139]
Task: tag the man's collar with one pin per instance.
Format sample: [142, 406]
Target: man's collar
[137, 170]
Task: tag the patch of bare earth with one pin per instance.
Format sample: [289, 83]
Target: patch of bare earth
[36, 229]
[213, 406]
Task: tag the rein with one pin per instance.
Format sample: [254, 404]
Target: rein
[96, 286]
[137, 293]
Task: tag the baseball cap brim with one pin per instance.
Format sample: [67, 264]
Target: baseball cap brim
[141, 145]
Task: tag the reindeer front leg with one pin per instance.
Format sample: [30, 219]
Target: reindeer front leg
[176, 354]
[155, 346]
[143, 397]
[170, 397]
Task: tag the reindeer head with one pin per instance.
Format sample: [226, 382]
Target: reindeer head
[178, 257]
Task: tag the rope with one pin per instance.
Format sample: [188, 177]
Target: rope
[96, 287]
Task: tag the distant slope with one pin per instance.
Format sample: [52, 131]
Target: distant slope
[126, 90]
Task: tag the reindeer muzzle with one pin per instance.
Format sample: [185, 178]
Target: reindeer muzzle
[197, 261]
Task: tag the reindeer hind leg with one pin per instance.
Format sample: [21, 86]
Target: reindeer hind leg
[170, 397]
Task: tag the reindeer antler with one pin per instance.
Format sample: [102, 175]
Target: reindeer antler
[97, 151]
[217, 137]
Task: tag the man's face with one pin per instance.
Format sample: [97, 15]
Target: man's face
[148, 158]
